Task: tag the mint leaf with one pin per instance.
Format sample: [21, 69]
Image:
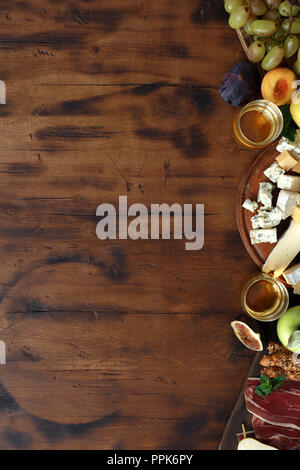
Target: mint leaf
[264, 379]
[259, 392]
[277, 381]
[287, 118]
[289, 130]
[289, 133]
[267, 385]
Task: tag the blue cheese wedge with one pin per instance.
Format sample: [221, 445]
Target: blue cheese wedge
[265, 195]
[250, 205]
[263, 235]
[292, 147]
[292, 275]
[287, 201]
[267, 219]
[274, 172]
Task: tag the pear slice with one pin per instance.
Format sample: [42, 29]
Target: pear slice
[252, 444]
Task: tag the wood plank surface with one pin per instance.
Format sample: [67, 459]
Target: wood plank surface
[117, 344]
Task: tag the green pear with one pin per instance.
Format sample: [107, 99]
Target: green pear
[252, 444]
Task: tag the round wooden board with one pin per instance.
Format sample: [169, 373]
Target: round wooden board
[248, 190]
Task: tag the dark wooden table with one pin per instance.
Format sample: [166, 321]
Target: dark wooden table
[117, 344]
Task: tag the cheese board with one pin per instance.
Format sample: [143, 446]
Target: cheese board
[251, 215]
[248, 189]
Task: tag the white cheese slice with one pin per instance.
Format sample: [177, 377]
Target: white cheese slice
[263, 235]
[250, 205]
[297, 289]
[267, 219]
[274, 172]
[292, 275]
[289, 182]
[287, 201]
[265, 195]
[292, 147]
[285, 251]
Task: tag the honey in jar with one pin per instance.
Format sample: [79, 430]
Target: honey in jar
[264, 298]
[255, 125]
[258, 124]
[261, 296]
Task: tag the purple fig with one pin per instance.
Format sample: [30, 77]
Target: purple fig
[247, 336]
[240, 84]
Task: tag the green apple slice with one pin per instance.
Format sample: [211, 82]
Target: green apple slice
[287, 325]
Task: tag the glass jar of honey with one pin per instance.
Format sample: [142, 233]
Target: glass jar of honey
[264, 298]
[258, 124]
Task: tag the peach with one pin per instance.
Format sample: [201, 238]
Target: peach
[277, 86]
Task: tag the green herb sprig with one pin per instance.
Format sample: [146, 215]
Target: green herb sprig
[268, 385]
[289, 130]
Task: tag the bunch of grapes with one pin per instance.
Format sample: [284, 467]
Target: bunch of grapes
[274, 26]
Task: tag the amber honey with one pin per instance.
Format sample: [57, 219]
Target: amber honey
[264, 298]
[258, 124]
[261, 296]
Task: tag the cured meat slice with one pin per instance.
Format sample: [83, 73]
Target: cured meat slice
[283, 438]
[280, 408]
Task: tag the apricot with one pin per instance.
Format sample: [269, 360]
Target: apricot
[277, 86]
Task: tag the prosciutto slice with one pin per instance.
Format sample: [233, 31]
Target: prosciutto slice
[283, 438]
[280, 408]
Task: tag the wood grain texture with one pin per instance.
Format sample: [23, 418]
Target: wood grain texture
[117, 344]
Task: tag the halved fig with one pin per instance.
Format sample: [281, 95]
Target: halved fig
[247, 336]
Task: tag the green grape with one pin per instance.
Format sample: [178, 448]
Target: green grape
[273, 58]
[280, 33]
[272, 15]
[286, 24]
[293, 28]
[256, 51]
[264, 28]
[248, 24]
[285, 9]
[271, 43]
[239, 17]
[258, 7]
[273, 4]
[296, 67]
[291, 46]
[230, 5]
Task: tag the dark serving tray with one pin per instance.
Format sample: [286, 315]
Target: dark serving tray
[240, 415]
